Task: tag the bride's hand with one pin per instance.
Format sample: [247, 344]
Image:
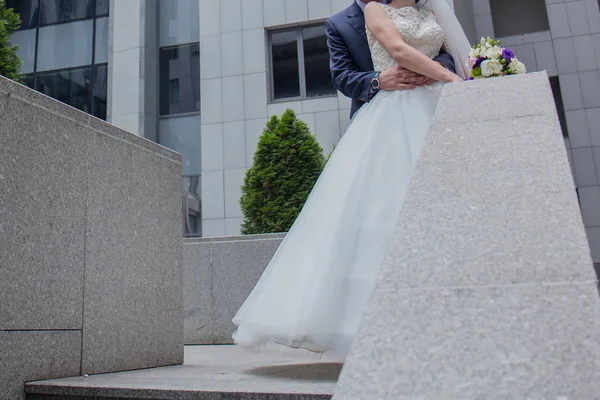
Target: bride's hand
[456, 78]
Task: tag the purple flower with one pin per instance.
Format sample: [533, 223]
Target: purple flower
[479, 61]
[471, 78]
[508, 55]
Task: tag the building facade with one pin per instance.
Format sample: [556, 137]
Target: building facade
[203, 76]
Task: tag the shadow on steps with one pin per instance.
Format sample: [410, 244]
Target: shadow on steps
[313, 372]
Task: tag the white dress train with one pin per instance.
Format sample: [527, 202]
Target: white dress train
[315, 288]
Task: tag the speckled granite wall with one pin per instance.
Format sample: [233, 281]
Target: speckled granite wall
[488, 291]
[219, 274]
[90, 245]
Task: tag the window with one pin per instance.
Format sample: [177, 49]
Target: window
[29, 81]
[26, 40]
[76, 87]
[57, 11]
[101, 45]
[519, 17]
[64, 49]
[300, 63]
[182, 134]
[180, 79]
[179, 22]
[100, 90]
[560, 109]
[70, 86]
[102, 7]
[28, 10]
[179, 98]
[65, 45]
[192, 206]
[316, 62]
[285, 65]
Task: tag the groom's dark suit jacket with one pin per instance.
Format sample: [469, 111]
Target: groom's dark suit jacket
[350, 58]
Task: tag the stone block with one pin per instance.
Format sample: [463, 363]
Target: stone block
[197, 292]
[219, 274]
[35, 355]
[42, 212]
[488, 290]
[133, 311]
[237, 266]
[501, 208]
[90, 230]
[530, 341]
[472, 100]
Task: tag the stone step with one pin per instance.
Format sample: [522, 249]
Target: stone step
[208, 373]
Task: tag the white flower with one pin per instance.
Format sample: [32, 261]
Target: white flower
[492, 52]
[474, 53]
[491, 68]
[517, 66]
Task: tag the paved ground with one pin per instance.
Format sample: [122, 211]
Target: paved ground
[212, 372]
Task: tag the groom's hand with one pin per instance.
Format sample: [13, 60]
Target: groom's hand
[398, 78]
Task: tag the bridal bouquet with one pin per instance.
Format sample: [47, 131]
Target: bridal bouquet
[489, 59]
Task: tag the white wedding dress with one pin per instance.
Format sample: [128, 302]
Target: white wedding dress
[313, 292]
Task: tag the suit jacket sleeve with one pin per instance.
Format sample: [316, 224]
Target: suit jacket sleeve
[447, 60]
[345, 73]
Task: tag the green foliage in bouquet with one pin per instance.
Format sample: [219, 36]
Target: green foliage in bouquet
[10, 63]
[286, 166]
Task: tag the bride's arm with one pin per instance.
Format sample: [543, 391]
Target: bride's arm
[386, 33]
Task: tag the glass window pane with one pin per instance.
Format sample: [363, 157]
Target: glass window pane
[72, 87]
[192, 211]
[28, 10]
[179, 22]
[316, 62]
[54, 11]
[518, 17]
[182, 134]
[101, 40]
[180, 79]
[102, 7]
[26, 42]
[55, 85]
[284, 50]
[65, 45]
[29, 81]
[81, 89]
[100, 91]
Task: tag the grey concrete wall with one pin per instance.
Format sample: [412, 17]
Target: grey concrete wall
[219, 274]
[488, 290]
[90, 245]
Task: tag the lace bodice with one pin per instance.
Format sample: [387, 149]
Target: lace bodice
[419, 29]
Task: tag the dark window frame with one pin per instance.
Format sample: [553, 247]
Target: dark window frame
[301, 64]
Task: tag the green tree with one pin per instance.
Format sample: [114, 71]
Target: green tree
[286, 165]
[10, 63]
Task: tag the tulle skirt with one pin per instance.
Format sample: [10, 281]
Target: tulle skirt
[313, 292]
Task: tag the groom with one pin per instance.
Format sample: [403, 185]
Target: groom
[350, 59]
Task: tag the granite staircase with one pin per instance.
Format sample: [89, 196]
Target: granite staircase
[208, 373]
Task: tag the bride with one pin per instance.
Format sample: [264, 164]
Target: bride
[313, 293]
